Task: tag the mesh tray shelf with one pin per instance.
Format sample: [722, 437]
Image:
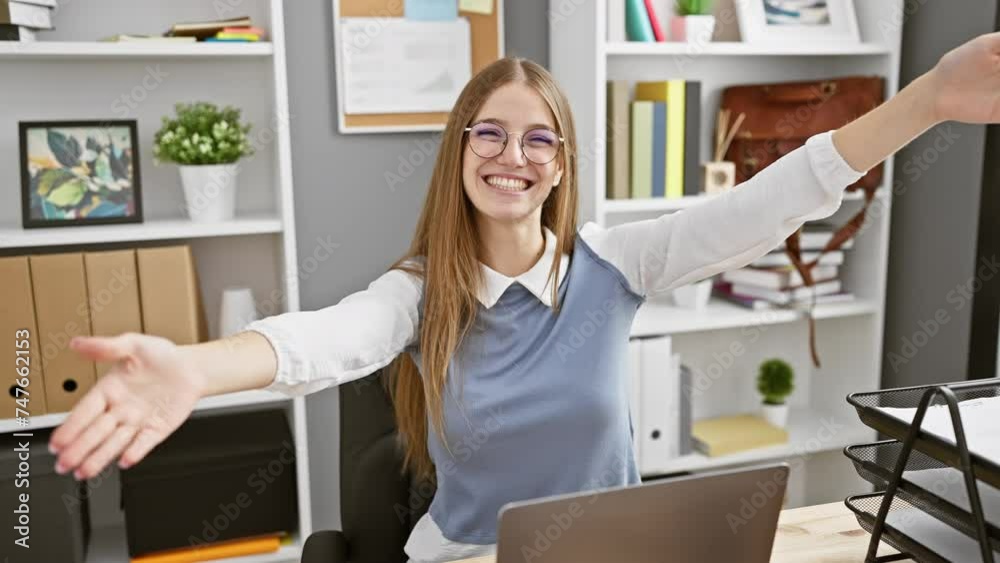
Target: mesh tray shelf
[938, 543]
[875, 463]
[869, 406]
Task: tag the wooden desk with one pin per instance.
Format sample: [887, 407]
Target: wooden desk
[825, 533]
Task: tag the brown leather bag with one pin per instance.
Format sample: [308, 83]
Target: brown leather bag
[779, 118]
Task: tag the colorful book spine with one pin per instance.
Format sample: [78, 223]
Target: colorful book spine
[659, 153]
[642, 149]
[637, 27]
[618, 186]
[654, 23]
[675, 138]
[235, 35]
[692, 137]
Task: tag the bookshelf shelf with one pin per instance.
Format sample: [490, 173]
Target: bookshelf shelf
[656, 318]
[168, 229]
[141, 49]
[738, 49]
[676, 204]
[805, 437]
[241, 399]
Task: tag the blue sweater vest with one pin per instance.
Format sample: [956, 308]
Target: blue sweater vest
[536, 402]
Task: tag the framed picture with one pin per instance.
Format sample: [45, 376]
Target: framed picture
[785, 21]
[79, 173]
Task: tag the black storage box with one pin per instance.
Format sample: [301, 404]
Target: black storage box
[217, 478]
[58, 519]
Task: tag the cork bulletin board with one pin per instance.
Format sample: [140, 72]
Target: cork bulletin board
[486, 42]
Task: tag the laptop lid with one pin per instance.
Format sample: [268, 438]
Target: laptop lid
[728, 515]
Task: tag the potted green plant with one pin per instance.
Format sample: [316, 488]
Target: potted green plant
[207, 143]
[693, 21]
[775, 382]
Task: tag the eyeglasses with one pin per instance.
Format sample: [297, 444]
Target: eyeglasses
[489, 140]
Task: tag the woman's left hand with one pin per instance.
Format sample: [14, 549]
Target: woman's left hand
[966, 81]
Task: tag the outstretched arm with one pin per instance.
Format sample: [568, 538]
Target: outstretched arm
[963, 86]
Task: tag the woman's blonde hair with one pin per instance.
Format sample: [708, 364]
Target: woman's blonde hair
[446, 246]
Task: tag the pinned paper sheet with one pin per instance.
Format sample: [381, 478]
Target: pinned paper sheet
[395, 65]
[477, 6]
[430, 10]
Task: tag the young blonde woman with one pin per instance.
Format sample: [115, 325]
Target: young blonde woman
[508, 325]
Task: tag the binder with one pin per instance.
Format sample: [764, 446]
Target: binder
[169, 294]
[17, 314]
[61, 310]
[113, 289]
[635, 395]
[660, 410]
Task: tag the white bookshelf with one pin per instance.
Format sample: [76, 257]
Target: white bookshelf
[69, 75]
[849, 335]
[157, 229]
[108, 50]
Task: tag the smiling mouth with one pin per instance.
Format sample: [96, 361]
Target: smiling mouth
[508, 184]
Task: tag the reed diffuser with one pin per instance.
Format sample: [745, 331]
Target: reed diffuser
[720, 175]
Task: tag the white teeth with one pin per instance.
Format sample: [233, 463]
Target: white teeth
[508, 184]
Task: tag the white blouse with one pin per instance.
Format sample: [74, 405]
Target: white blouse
[366, 330]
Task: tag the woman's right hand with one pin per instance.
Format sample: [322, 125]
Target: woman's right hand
[151, 389]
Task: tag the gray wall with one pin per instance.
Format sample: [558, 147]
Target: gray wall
[933, 234]
[341, 195]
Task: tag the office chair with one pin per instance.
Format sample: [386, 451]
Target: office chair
[379, 505]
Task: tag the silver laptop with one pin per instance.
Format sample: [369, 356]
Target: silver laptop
[720, 516]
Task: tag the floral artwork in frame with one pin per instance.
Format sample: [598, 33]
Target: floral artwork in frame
[79, 173]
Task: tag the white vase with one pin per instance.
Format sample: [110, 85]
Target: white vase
[692, 29]
[238, 310]
[693, 296]
[776, 415]
[209, 191]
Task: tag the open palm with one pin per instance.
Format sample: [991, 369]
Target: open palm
[967, 81]
[146, 395]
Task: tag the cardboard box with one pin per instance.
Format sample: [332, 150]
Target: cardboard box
[170, 294]
[60, 285]
[20, 339]
[113, 289]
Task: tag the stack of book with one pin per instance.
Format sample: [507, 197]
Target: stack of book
[653, 138]
[21, 19]
[772, 280]
[240, 30]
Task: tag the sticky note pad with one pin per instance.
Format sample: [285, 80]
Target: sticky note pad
[430, 10]
[477, 6]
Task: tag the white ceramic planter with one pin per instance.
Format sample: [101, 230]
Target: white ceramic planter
[694, 296]
[776, 415]
[692, 29]
[209, 191]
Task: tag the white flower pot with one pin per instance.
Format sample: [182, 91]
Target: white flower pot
[694, 296]
[692, 29]
[776, 415]
[209, 191]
